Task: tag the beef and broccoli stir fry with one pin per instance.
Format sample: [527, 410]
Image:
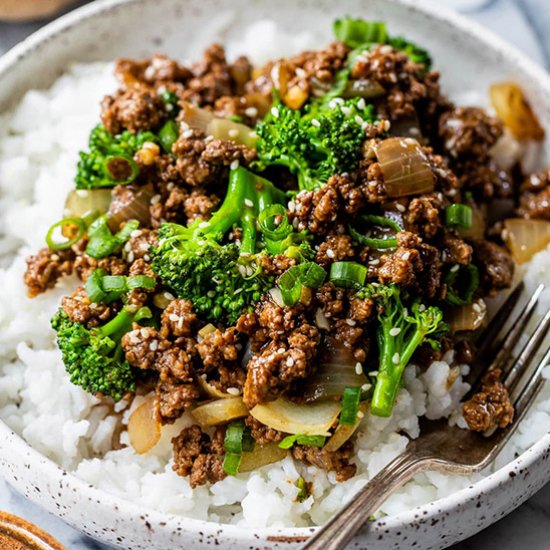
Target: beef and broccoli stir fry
[268, 248]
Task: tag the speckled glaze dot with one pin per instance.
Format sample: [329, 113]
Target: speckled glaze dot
[107, 29]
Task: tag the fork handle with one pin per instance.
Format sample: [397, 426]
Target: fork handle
[348, 520]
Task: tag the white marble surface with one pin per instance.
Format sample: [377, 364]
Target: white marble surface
[525, 23]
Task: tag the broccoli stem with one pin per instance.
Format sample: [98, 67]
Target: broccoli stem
[118, 325]
[388, 381]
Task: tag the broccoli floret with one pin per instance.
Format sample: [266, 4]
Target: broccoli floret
[313, 143]
[362, 35]
[221, 279]
[93, 168]
[94, 357]
[400, 331]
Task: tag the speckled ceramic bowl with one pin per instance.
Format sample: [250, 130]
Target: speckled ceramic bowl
[472, 58]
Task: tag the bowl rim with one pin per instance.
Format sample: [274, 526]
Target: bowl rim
[54, 472]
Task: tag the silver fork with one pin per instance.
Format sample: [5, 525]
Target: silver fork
[451, 449]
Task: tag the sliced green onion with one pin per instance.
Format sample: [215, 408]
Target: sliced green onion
[300, 439]
[114, 283]
[291, 282]
[120, 169]
[140, 281]
[93, 286]
[372, 242]
[348, 274]
[358, 32]
[102, 242]
[459, 215]
[238, 439]
[168, 135]
[303, 492]
[231, 463]
[462, 282]
[274, 223]
[67, 223]
[350, 406]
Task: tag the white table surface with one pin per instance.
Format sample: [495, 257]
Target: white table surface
[525, 23]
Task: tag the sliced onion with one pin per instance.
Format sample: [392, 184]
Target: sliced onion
[364, 88]
[210, 389]
[131, 204]
[343, 433]
[295, 97]
[515, 112]
[220, 411]
[293, 418]
[220, 128]
[261, 456]
[280, 75]
[467, 317]
[525, 238]
[80, 202]
[144, 428]
[206, 330]
[334, 374]
[261, 102]
[477, 229]
[405, 168]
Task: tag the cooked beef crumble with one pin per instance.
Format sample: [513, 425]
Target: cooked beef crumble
[252, 290]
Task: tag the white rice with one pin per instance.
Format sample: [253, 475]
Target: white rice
[39, 144]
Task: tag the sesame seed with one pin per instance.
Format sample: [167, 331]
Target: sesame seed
[234, 165]
[360, 414]
[289, 362]
[249, 203]
[169, 296]
[281, 350]
[252, 134]
[208, 139]
[211, 293]
[202, 225]
[233, 391]
[131, 256]
[421, 308]
[153, 346]
[300, 73]
[315, 123]
[358, 369]
[361, 104]
[173, 317]
[396, 358]
[82, 193]
[291, 206]
[376, 261]
[238, 291]
[455, 268]
[395, 331]
[366, 387]
[406, 255]
[347, 111]
[146, 257]
[251, 112]
[330, 253]
[233, 133]
[187, 134]
[400, 207]
[359, 120]
[275, 112]
[350, 322]
[155, 199]
[476, 307]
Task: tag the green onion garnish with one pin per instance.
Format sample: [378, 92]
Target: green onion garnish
[350, 406]
[120, 169]
[376, 242]
[74, 226]
[462, 282]
[238, 439]
[458, 215]
[274, 223]
[104, 289]
[168, 135]
[301, 439]
[102, 242]
[348, 274]
[293, 280]
[358, 32]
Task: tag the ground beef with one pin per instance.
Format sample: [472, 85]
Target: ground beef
[219, 349]
[168, 205]
[490, 408]
[45, 268]
[112, 265]
[136, 108]
[174, 398]
[178, 319]
[279, 364]
[276, 265]
[139, 245]
[261, 433]
[336, 248]
[535, 196]
[198, 456]
[468, 132]
[335, 461]
[456, 251]
[80, 309]
[332, 300]
[495, 265]
[154, 71]
[201, 162]
[138, 296]
[425, 215]
[485, 179]
[199, 206]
